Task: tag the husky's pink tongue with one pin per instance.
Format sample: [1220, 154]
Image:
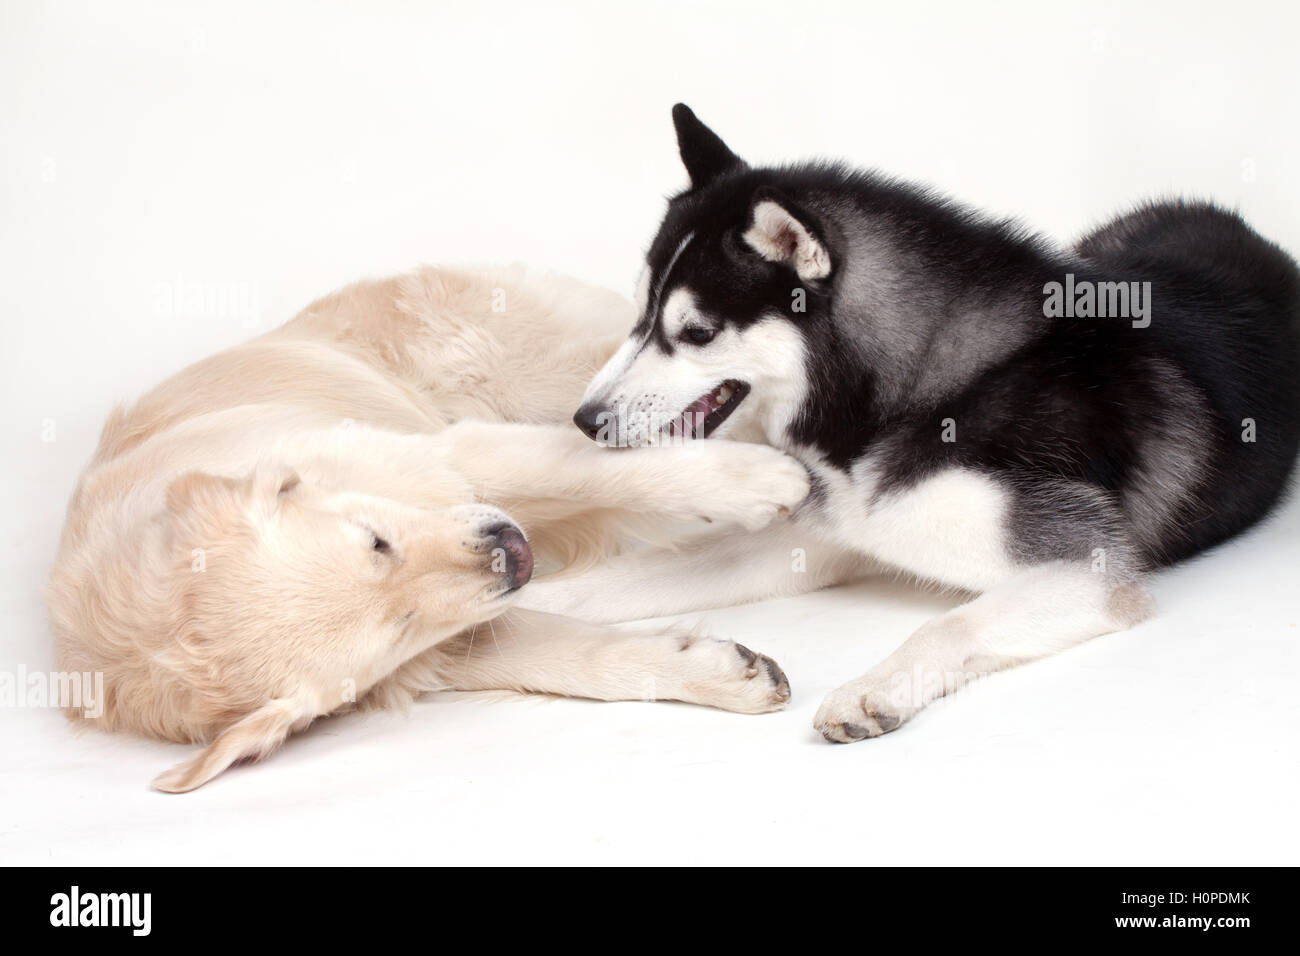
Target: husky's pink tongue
[693, 418]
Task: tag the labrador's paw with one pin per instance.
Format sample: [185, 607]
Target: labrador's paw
[749, 484]
[723, 674]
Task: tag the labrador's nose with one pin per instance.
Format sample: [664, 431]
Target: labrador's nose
[508, 541]
[590, 418]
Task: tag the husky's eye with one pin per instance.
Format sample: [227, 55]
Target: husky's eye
[697, 335]
[379, 544]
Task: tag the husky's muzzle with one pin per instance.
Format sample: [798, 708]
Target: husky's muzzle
[700, 419]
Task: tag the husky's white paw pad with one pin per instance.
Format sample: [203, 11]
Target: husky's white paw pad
[847, 716]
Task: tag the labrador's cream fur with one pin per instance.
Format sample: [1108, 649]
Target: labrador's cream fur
[219, 564]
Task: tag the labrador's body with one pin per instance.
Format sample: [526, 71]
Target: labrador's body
[326, 515]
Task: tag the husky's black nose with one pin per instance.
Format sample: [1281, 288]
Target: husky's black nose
[508, 543]
[589, 419]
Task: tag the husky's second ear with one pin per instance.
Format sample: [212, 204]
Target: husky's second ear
[779, 233]
[704, 154]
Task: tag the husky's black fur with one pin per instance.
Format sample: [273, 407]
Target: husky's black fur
[932, 312]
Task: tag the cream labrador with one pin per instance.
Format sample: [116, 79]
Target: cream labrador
[323, 517]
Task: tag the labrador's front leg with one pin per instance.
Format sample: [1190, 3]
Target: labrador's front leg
[748, 484]
[722, 570]
[531, 651]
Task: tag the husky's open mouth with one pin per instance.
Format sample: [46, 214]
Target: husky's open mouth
[701, 418]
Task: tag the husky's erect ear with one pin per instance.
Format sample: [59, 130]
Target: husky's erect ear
[704, 154]
[780, 232]
[251, 738]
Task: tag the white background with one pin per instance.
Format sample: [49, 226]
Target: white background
[263, 154]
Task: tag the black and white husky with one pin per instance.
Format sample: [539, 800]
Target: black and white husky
[1041, 427]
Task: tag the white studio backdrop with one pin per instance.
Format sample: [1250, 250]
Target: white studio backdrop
[181, 176]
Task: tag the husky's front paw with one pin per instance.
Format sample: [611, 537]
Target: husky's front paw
[749, 484]
[727, 675]
[857, 711]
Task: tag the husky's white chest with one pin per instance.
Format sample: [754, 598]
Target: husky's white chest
[953, 522]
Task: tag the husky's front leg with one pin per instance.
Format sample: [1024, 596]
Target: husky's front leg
[1054, 563]
[1035, 613]
[544, 653]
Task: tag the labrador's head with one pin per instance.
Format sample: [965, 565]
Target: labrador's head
[292, 600]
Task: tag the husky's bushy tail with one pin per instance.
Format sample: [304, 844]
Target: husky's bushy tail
[1227, 311]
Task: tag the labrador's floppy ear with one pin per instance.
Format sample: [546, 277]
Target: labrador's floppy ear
[271, 481]
[202, 505]
[252, 738]
[780, 232]
[704, 154]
